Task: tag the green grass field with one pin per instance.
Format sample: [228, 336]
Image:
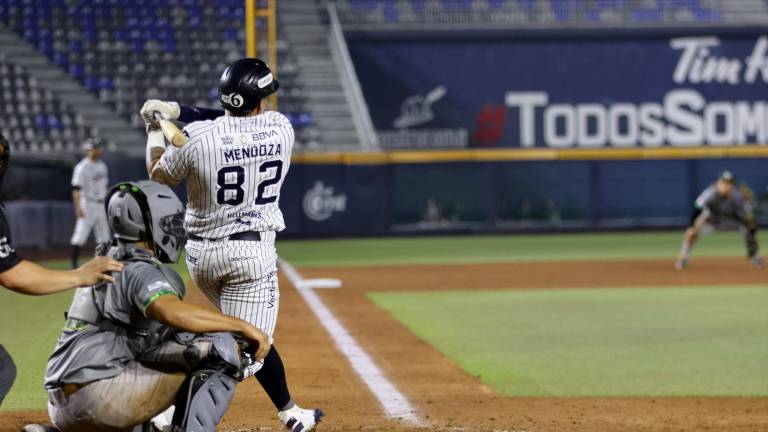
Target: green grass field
[29, 325]
[699, 341]
[485, 249]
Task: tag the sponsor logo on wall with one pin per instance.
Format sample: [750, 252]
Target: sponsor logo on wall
[416, 111]
[320, 202]
[684, 117]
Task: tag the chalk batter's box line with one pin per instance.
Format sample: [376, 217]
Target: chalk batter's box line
[394, 403]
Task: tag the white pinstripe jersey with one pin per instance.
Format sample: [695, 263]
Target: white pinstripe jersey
[235, 167]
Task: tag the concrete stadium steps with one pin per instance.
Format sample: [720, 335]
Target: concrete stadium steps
[95, 113]
[303, 24]
[745, 11]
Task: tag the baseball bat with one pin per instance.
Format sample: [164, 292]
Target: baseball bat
[172, 133]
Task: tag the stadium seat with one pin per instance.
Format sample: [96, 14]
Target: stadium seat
[35, 120]
[527, 11]
[126, 51]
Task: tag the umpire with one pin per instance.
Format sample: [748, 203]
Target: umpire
[720, 207]
[28, 278]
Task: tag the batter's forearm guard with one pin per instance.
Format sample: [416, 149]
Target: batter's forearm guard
[193, 114]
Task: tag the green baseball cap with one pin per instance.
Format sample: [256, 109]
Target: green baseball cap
[726, 176]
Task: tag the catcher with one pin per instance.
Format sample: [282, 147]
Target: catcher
[122, 357]
[721, 206]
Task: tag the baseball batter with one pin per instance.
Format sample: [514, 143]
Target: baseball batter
[120, 358]
[234, 163]
[721, 207]
[89, 186]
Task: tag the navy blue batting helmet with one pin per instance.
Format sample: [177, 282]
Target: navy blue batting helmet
[244, 84]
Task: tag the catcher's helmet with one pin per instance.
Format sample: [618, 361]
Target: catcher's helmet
[244, 84]
[147, 211]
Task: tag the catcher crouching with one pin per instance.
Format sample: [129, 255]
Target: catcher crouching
[132, 348]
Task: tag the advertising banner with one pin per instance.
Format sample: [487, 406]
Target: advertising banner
[576, 92]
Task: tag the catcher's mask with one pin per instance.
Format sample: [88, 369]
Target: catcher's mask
[147, 211]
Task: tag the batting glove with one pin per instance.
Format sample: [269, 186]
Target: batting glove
[150, 122]
[167, 110]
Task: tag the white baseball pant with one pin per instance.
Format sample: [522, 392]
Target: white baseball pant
[95, 219]
[115, 404]
[239, 277]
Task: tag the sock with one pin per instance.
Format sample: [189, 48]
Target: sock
[75, 255]
[685, 250]
[272, 379]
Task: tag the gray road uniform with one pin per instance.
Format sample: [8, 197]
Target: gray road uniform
[732, 212]
[724, 210]
[113, 367]
[92, 178]
[8, 260]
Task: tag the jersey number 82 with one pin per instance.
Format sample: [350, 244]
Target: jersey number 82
[222, 197]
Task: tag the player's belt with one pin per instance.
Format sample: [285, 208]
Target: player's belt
[100, 201]
[70, 389]
[242, 236]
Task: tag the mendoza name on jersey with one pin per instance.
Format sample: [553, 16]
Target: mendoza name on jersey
[256, 150]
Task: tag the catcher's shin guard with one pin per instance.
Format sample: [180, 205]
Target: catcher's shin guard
[202, 401]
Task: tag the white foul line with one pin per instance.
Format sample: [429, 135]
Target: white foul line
[394, 403]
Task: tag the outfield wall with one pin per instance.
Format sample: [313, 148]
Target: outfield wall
[502, 191]
[451, 191]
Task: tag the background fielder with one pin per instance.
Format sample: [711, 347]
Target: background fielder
[235, 165]
[89, 187]
[721, 206]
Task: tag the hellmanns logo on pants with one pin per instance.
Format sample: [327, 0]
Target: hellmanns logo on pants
[320, 203]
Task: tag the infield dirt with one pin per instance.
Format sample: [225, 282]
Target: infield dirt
[444, 395]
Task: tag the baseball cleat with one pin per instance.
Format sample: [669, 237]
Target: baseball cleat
[758, 262]
[162, 422]
[681, 264]
[297, 419]
[34, 427]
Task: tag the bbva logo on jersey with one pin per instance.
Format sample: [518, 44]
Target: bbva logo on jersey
[320, 203]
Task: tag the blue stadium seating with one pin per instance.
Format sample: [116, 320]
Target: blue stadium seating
[34, 119]
[527, 11]
[126, 51]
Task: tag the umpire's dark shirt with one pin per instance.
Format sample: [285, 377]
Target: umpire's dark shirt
[8, 257]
